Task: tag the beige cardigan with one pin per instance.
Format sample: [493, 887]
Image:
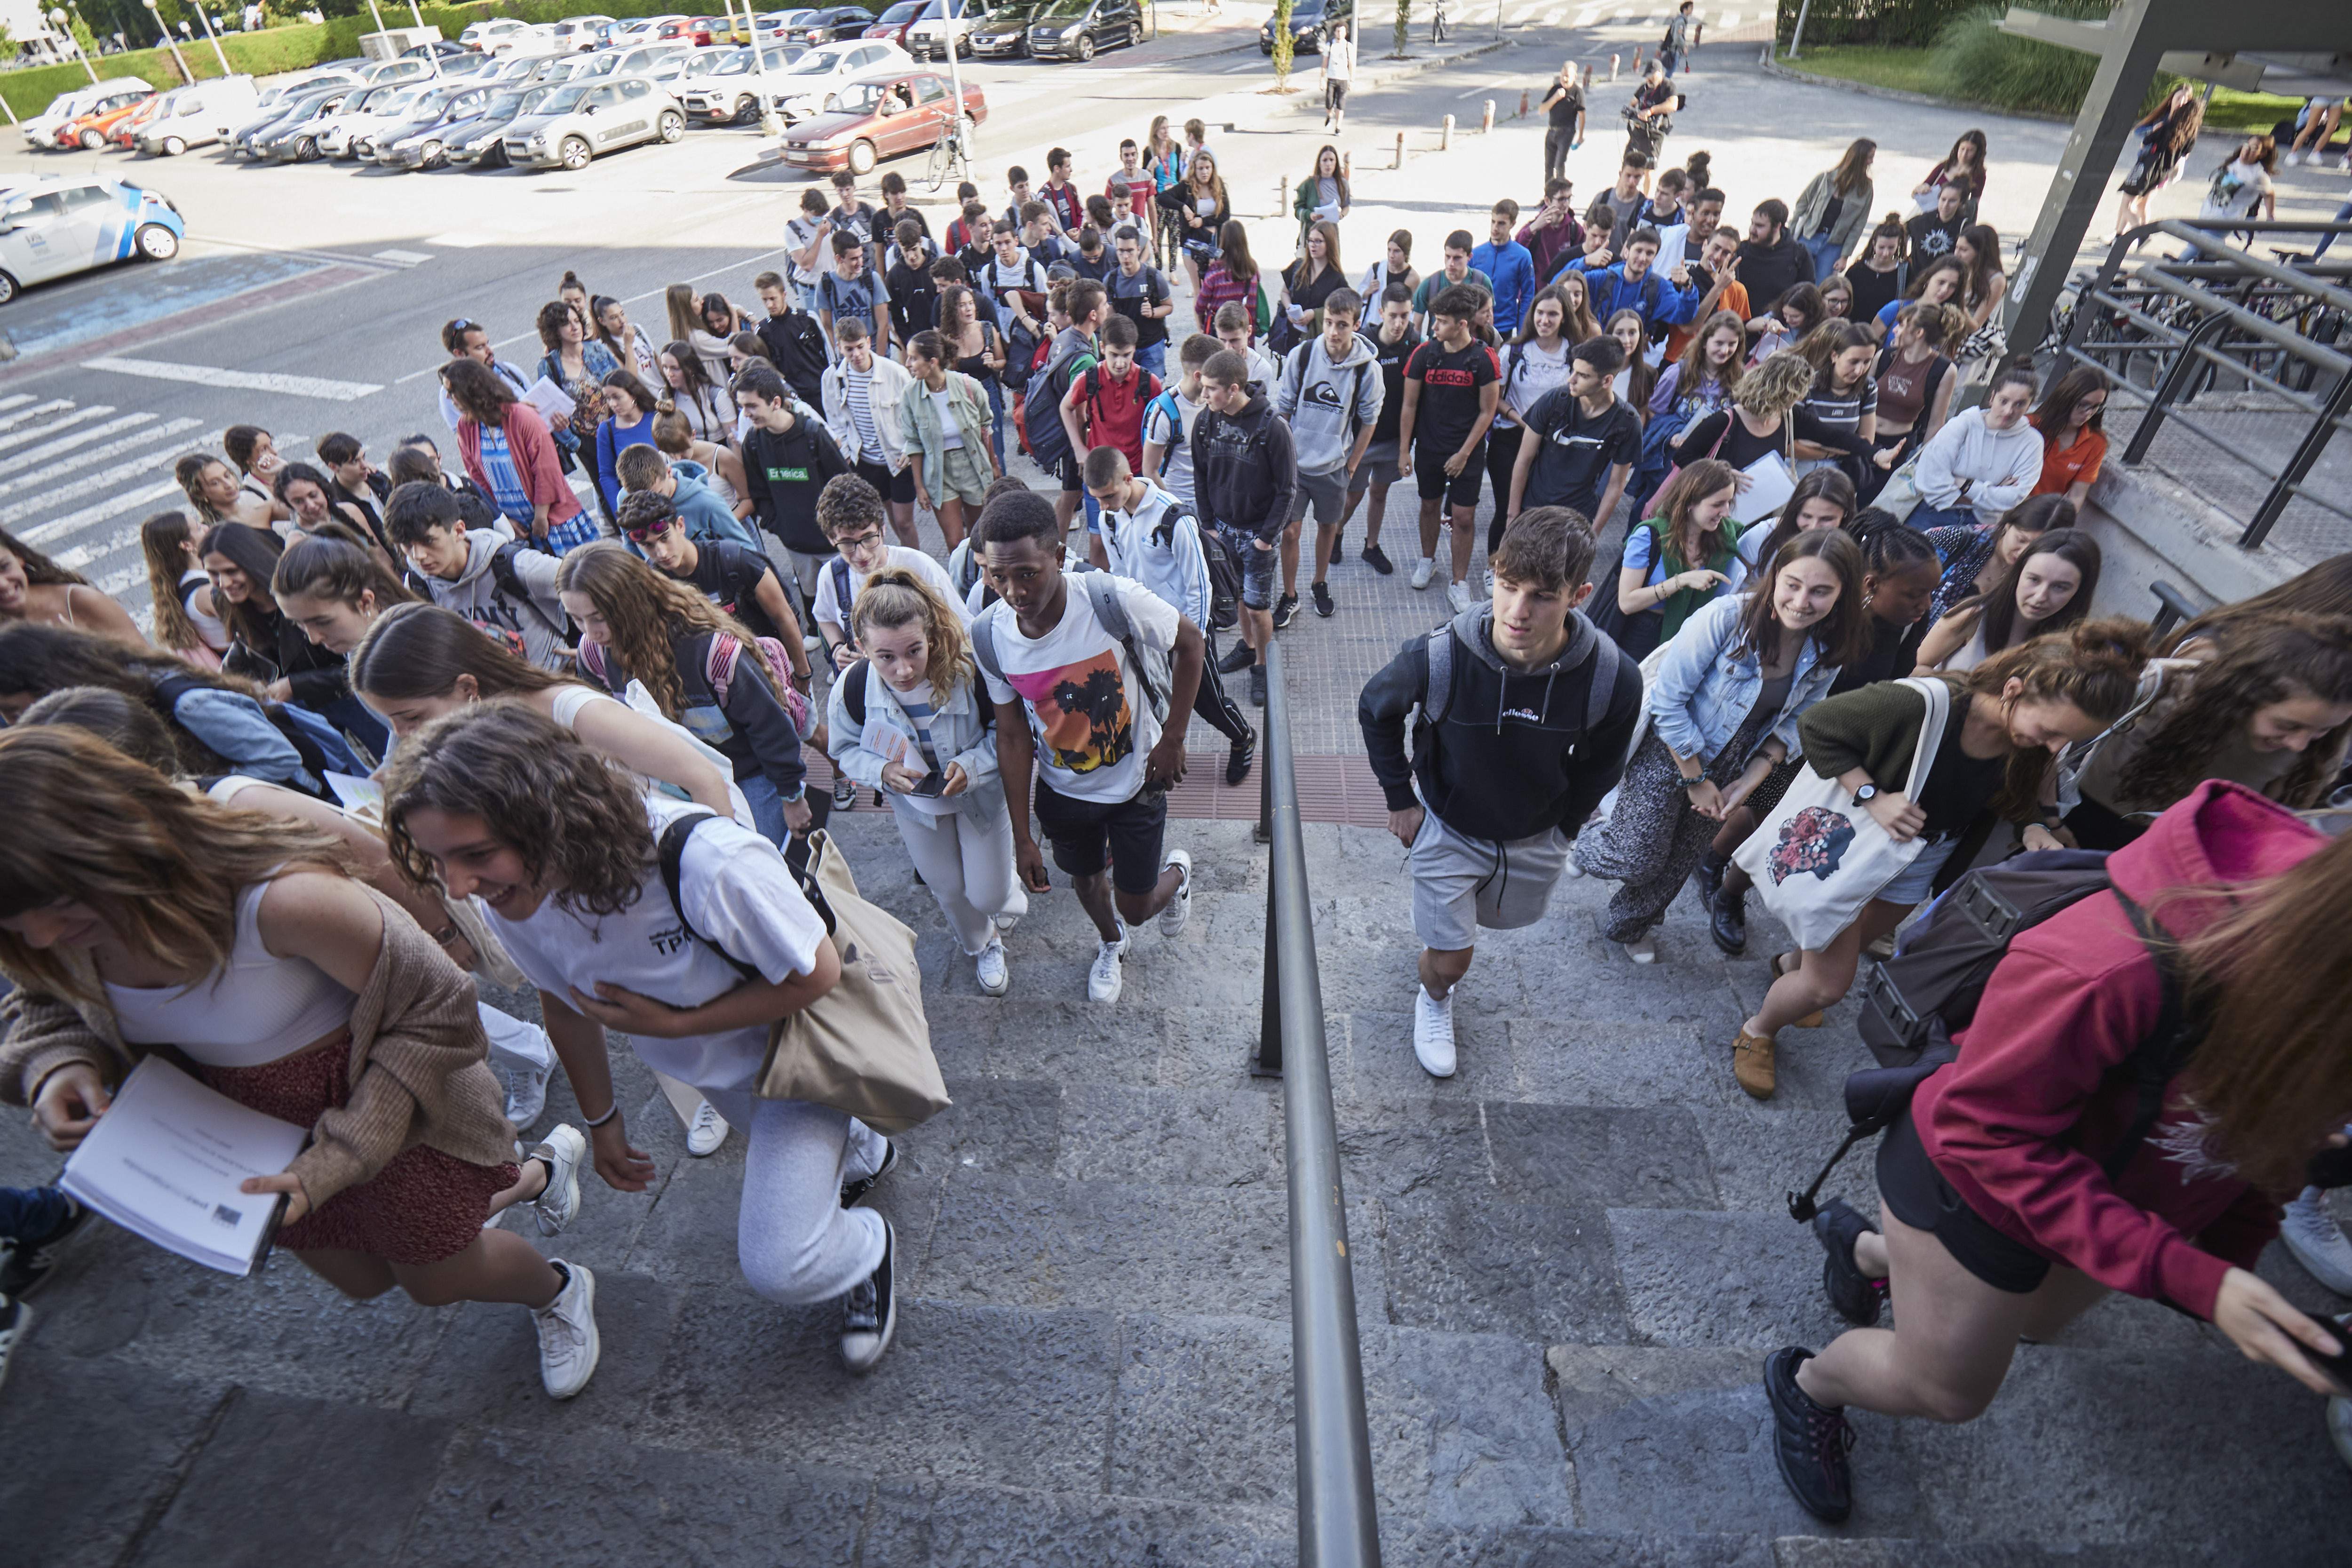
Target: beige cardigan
[419, 1066]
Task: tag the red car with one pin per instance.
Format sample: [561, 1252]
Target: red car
[892, 24]
[882, 117]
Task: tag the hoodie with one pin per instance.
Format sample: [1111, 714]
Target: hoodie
[531, 623]
[1512, 758]
[1327, 403]
[1245, 471]
[2001, 466]
[704, 514]
[785, 472]
[2020, 1124]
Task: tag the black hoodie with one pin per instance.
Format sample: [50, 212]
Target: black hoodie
[1512, 757]
[785, 473]
[1244, 470]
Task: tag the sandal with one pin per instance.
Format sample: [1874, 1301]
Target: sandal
[1751, 1064]
[1811, 1020]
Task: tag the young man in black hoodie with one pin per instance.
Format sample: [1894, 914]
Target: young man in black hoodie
[1244, 476]
[1525, 716]
[793, 339]
[787, 458]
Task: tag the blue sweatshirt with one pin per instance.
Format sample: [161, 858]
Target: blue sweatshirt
[1660, 304]
[1513, 270]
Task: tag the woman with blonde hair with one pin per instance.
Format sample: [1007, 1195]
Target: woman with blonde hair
[703, 670]
[34, 588]
[1765, 416]
[1201, 203]
[186, 620]
[916, 691]
[136, 915]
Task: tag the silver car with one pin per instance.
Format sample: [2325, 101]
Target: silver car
[581, 120]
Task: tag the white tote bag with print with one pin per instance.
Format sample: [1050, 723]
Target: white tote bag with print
[1818, 858]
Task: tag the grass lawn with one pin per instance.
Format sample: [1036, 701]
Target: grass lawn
[1910, 71]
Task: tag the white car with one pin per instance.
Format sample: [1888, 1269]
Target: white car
[336, 139]
[580, 32]
[940, 21]
[41, 130]
[505, 35]
[582, 119]
[199, 115]
[630, 61]
[57, 225]
[728, 90]
[813, 85]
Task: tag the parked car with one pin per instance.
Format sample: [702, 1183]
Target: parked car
[489, 106]
[941, 20]
[124, 134]
[1074, 29]
[199, 115]
[441, 49]
[582, 120]
[776, 24]
[829, 25]
[505, 35]
[394, 70]
[246, 140]
[891, 26]
[41, 130]
[57, 225]
[87, 130]
[297, 139]
[342, 140]
[482, 145]
[886, 116]
[1310, 23]
[812, 85]
[633, 60]
[437, 107]
[580, 32]
[1003, 32]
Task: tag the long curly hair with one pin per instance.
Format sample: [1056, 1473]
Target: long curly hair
[512, 765]
[647, 614]
[188, 472]
[2094, 664]
[1695, 370]
[165, 541]
[1770, 390]
[2255, 662]
[160, 867]
[894, 596]
[39, 570]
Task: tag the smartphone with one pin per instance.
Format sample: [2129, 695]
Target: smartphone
[932, 784]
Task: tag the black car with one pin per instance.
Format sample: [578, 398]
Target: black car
[1310, 21]
[1003, 32]
[831, 23]
[1074, 29]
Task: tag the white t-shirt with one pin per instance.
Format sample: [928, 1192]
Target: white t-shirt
[2237, 191]
[1173, 433]
[950, 434]
[1092, 725]
[829, 607]
[738, 892]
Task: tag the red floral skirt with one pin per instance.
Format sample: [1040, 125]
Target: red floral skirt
[422, 1206]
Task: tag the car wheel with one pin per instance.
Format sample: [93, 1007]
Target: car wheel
[861, 158]
[432, 155]
[7, 288]
[306, 149]
[92, 141]
[747, 110]
[670, 126]
[1085, 47]
[157, 243]
[173, 146]
[1134, 34]
[574, 153]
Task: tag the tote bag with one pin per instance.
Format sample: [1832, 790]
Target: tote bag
[1818, 858]
[1899, 497]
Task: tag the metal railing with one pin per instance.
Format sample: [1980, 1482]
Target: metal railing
[1337, 1526]
[2166, 330]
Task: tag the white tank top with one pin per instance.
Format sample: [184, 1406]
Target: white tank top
[212, 628]
[257, 1009]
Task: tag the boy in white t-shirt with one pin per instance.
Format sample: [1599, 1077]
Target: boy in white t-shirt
[1072, 703]
[852, 515]
[1169, 418]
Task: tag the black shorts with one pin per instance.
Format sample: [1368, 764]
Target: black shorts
[1429, 469]
[897, 486]
[1915, 1193]
[1087, 835]
[1067, 469]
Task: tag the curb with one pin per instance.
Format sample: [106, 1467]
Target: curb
[1899, 95]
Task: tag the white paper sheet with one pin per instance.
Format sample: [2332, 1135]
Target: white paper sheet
[550, 400]
[1773, 487]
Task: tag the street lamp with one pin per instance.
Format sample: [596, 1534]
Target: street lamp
[169, 42]
[58, 20]
[213, 36]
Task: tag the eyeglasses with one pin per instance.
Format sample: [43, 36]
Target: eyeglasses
[858, 542]
[462, 326]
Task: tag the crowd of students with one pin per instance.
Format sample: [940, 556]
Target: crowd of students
[590, 668]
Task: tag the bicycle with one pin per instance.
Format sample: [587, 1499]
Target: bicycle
[951, 156]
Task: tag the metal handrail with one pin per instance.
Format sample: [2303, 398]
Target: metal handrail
[1338, 1524]
[2229, 336]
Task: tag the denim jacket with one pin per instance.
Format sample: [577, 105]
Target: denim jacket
[961, 734]
[1703, 689]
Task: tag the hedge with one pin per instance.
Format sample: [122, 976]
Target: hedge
[1918, 22]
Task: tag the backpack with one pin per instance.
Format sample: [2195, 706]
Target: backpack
[719, 671]
[1224, 579]
[1915, 1002]
[1150, 664]
[1090, 397]
[853, 698]
[1043, 435]
[509, 578]
[1437, 684]
[321, 746]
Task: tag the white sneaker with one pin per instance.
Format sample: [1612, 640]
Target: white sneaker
[1179, 907]
[1422, 571]
[1107, 978]
[1642, 950]
[995, 977]
[565, 1150]
[2317, 1242]
[568, 1346]
[1458, 596]
[527, 1094]
[1433, 1032]
[705, 1131]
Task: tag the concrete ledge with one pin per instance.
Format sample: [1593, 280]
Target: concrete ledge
[1871, 90]
[2149, 527]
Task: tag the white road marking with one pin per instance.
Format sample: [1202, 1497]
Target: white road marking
[54, 406]
[14, 400]
[242, 380]
[465, 241]
[19, 437]
[74, 521]
[95, 454]
[404, 258]
[89, 484]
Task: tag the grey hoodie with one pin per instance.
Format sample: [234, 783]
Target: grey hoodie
[532, 623]
[1326, 404]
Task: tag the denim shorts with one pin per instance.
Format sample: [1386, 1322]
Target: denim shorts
[1257, 566]
[1916, 881]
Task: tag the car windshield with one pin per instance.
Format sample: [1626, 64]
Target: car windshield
[818, 62]
[563, 100]
[904, 11]
[1064, 10]
[1010, 16]
[504, 103]
[734, 62]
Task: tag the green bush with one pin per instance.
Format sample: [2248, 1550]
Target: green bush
[1867, 21]
[1980, 63]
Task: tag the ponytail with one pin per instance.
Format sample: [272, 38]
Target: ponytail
[894, 596]
[2095, 665]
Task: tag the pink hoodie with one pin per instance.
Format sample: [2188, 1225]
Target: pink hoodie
[2022, 1122]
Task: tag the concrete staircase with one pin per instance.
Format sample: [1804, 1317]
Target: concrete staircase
[1571, 1260]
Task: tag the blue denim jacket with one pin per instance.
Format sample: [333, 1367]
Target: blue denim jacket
[1703, 689]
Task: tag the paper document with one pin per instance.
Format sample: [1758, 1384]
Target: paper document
[165, 1160]
[888, 744]
[1773, 487]
[550, 400]
[361, 797]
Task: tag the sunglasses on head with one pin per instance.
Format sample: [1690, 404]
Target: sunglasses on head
[647, 535]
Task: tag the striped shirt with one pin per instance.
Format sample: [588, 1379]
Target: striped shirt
[916, 705]
[857, 388]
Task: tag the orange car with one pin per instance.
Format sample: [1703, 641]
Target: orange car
[124, 134]
[90, 131]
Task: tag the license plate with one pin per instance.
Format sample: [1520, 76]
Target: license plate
[797, 157]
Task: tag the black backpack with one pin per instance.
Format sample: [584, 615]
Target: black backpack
[1915, 1002]
[510, 581]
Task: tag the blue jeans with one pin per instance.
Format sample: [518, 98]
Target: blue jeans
[767, 808]
[2343, 215]
[1825, 252]
[1925, 517]
[1154, 357]
[996, 416]
[30, 1213]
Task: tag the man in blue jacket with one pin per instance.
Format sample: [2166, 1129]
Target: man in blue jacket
[704, 515]
[1509, 264]
[1634, 283]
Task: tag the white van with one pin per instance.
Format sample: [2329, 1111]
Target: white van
[41, 130]
[200, 115]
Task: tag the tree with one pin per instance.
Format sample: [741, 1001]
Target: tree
[1403, 21]
[1282, 46]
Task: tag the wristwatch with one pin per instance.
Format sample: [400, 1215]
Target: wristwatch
[1865, 794]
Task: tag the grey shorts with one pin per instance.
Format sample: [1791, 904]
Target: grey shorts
[1257, 566]
[1326, 493]
[966, 476]
[1460, 884]
[1379, 467]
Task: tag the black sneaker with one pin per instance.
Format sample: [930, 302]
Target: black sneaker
[1238, 657]
[1811, 1441]
[851, 1191]
[871, 1313]
[1237, 761]
[29, 1261]
[1727, 922]
[1322, 593]
[1257, 684]
[1285, 610]
[16, 1319]
[1857, 1296]
[1377, 559]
